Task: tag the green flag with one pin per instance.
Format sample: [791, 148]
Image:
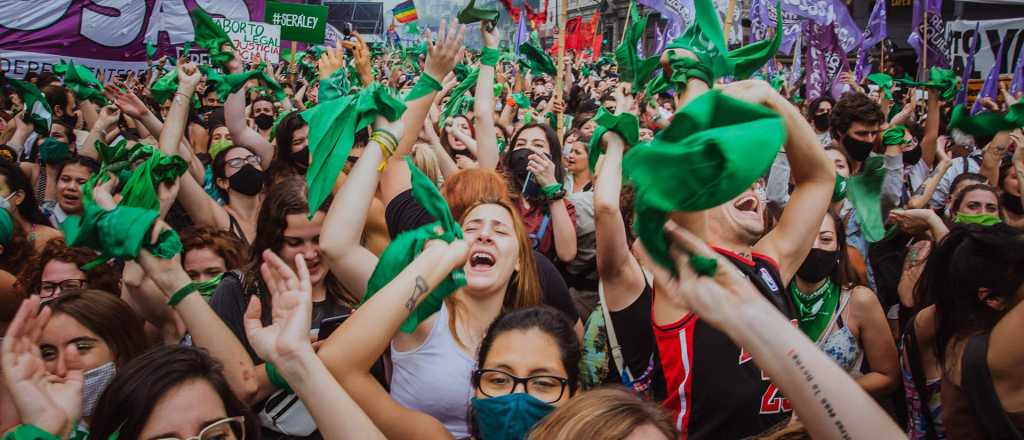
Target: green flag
[210, 36]
[37, 110]
[632, 67]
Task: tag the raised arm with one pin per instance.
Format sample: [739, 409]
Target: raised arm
[131, 105]
[927, 189]
[355, 346]
[285, 343]
[931, 129]
[811, 170]
[616, 268]
[483, 106]
[176, 121]
[108, 117]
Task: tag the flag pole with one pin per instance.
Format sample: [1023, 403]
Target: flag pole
[729, 10]
[563, 9]
[924, 44]
[629, 12]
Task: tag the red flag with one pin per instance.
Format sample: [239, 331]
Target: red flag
[537, 18]
[573, 35]
[596, 37]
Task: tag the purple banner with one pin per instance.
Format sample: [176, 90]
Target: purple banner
[677, 13]
[937, 45]
[991, 87]
[34, 35]
[877, 29]
[794, 72]
[961, 96]
[819, 42]
[1017, 84]
[863, 67]
[824, 12]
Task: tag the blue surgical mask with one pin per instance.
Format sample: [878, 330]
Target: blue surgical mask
[508, 417]
[95, 381]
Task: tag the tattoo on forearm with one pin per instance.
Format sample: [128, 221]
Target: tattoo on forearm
[418, 290]
[824, 401]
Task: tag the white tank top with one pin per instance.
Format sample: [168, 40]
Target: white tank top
[436, 378]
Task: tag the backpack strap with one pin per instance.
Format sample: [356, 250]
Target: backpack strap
[613, 341]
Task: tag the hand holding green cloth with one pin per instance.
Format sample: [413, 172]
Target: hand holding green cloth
[462, 71]
[632, 67]
[150, 50]
[37, 109]
[864, 192]
[210, 36]
[986, 123]
[139, 184]
[458, 103]
[883, 81]
[625, 124]
[228, 84]
[164, 88]
[332, 130]
[943, 80]
[714, 149]
[473, 14]
[82, 83]
[335, 86]
[894, 135]
[536, 60]
[407, 245]
[52, 151]
[705, 40]
[118, 233]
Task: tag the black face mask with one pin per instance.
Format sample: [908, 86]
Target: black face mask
[301, 158]
[912, 156]
[264, 121]
[248, 180]
[518, 161]
[821, 121]
[1011, 203]
[818, 265]
[859, 150]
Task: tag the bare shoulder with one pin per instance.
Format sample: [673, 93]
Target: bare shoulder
[864, 304]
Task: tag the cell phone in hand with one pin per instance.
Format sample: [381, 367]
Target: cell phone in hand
[329, 325]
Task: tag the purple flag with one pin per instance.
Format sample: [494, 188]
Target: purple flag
[522, 33]
[863, 67]
[877, 29]
[1017, 84]
[821, 12]
[819, 43]
[677, 13]
[794, 73]
[991, 87]
[937, 45]
[961, 96]
[847, 32]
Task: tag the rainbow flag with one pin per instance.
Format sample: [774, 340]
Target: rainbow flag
[405, 12]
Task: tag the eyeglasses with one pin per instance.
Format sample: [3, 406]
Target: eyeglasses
[230, 428]
[48, 289]
[239, 162]
[496, 383]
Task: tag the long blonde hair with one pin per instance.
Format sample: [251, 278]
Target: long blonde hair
[609, 413]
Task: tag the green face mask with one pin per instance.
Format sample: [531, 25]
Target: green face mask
[977, 219]
[53, 151]
[839, 192]
[217, 147]
[206, 288]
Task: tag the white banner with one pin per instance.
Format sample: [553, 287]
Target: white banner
[15, 64]
[253, 38]
[1010, 31]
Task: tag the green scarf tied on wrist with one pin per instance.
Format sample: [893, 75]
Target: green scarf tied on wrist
[458, 103]
[713, 150]
[210, 36]
[883, 81]
[625, 124]
[407, 245]
[632, 67]
[82, 83]
[536, 60]
[473, 14]
[425, 85]
[228, 84]
[52, 151]
[977, 219]
[333, 125]
[864, 191]
[894, 135]
[943, 80]
[335, 86]
[489, 56]
[986, 123]
[815, 310]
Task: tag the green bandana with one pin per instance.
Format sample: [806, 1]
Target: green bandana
[37, 109]
[864, 191]
[977, 219]
[489, 56]
[883, 81]
[458, 103]
[839, 190]
[521, 100]
[6, 227]
[632, 67]
[894, 135]
[332, 131]
[943, 80]
[206, 288]
[815, 310]
[150, 50]
[714, 149]
[219, 146]
[52, 151]
[82, 83]
[473, 14]
[705, 39]
[407, 245]
[625, 124]
[228, 84]
[425, 85]
[986, 123]
[210, 36]
[164, 88]
[140, 170]
[778, 81]
[536, 60]
[335, 86]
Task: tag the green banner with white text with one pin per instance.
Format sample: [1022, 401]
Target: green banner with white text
[305, 23]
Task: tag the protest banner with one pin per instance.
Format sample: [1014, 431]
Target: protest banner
[305, 23]
[253, 38]
[110, 40]
[1010, 30]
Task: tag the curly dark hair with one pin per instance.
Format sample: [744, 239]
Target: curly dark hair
[104, 277]
[854, 107]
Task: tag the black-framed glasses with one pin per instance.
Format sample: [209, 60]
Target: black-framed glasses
[239, 162]
[48, 289]
[228, 428]
[497, 383]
